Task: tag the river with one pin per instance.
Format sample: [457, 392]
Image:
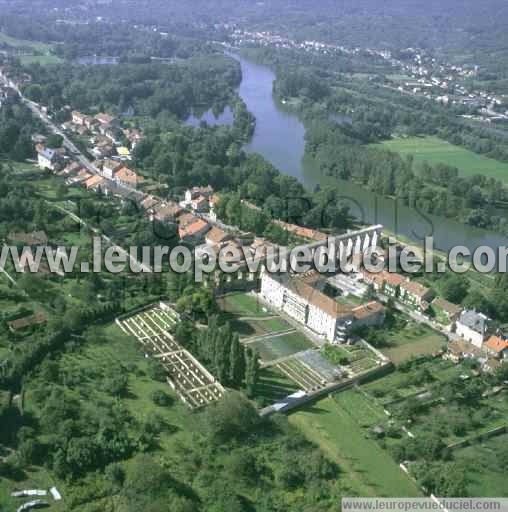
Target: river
[280, 138]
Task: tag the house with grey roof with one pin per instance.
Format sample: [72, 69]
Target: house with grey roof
[473, 327]
[47, 158]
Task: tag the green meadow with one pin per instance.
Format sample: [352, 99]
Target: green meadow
[42, 52]
[435, 150]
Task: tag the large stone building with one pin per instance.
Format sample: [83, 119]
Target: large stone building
[298, 297]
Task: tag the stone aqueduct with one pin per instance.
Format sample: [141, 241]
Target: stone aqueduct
[347, 245]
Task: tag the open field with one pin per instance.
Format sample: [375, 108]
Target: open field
[42, 52]
[371, 471]
[436, 150]
[409, 339]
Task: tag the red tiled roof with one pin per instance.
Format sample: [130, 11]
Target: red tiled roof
[369, 309]
[496, 344]
[193, 228]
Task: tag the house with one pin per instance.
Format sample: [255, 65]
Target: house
[91, 123]
[47, 159]
[194, 230]
[123, 153]
[133, 136]
[473, 327]
[114, 134]
[461, 349]
[199, 204]
[103, 151]
[167, 212]
[371, 314]
[37, 138]
[106, 119]
[186, 219]
[127, 178]
[94, 183]
[497, 347]
[216, 236]
[70, 170]
[302, 232]
[110, 167]
[78, 118]
[415, 294]
[447, 309]
[148, 204]
[394, 285]
[297, 298]
[195, 192]
[80, 177]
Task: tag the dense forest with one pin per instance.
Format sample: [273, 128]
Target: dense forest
[150, 89]
[16, 127]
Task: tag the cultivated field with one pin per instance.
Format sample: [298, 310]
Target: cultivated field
[192, 382]
[436, 150]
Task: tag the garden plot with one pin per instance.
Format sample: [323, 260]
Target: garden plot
[194, 385]
[310, 370]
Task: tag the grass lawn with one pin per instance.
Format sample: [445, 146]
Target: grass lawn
[257, 327]
[243, 304]
[436, 150]
[409, 339]
[487, 479]
[281, 346]
[370, 470]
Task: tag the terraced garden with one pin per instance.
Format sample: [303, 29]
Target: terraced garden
[192, 382]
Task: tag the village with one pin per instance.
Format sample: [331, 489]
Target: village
[321, 318]
[415, 71]
[315, 335]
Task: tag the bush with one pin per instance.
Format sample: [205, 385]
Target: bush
[161, 398]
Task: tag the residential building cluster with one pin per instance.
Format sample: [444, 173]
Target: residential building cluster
[401, 288]
[104, 134]
[424, 75]
[478, 339]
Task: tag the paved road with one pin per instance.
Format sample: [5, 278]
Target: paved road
[68, 144]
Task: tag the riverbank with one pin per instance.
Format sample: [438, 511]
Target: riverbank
[280, 137]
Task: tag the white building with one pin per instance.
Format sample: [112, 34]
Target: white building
[296, 297]
[47, 159]
[473, 327]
